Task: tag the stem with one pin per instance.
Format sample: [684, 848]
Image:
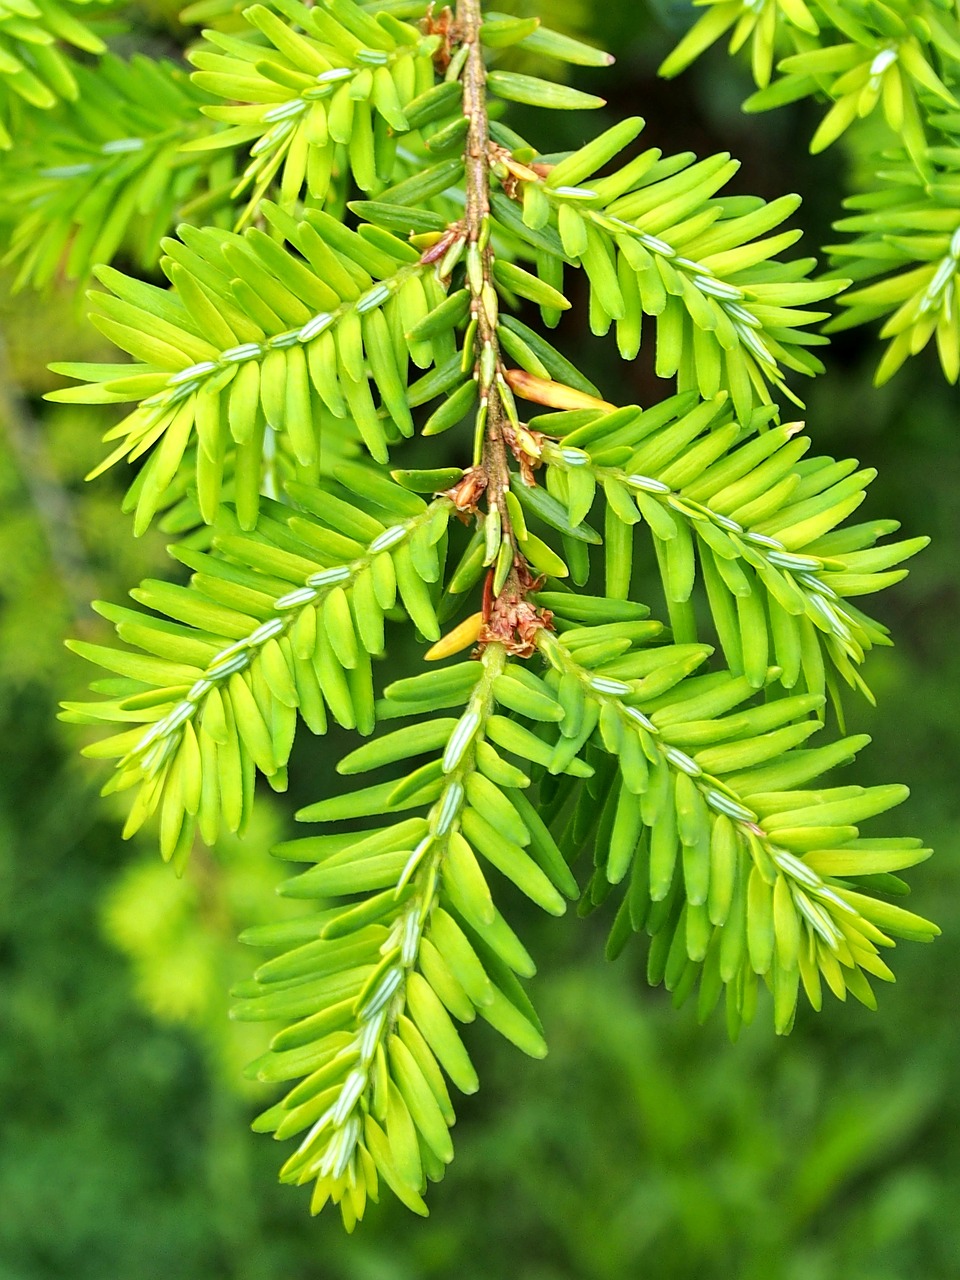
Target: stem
[493, 452]
[446, 812]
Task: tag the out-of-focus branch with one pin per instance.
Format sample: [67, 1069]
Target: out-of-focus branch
[51, 501]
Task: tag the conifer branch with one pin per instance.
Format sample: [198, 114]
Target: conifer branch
[330, 90]
[743, 876]
[94, 182]
[273, 381]
[657, 239]
[901, 62]
[330, 1151]
[33, 66]
[255, 338]
[757, 515]
[222, 691]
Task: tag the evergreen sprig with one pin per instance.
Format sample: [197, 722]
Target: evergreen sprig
[900, 59]
[908, 233]
[254, 338]
[343, 80]
[656, 240]
[395, 227]
[107, 173]
[35, 71]
[758, 517]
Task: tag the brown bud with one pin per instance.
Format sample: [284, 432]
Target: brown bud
[466, 493]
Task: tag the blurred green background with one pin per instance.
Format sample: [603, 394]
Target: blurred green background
[644, 1145]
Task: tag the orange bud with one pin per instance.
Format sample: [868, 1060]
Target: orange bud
[455, 641]
[552, 394]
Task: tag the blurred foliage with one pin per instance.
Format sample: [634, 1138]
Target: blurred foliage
[180, 937]
[644, 1145]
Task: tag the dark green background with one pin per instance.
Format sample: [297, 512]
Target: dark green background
[644, 1145]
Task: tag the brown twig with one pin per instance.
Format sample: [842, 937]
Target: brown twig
[511, 617]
